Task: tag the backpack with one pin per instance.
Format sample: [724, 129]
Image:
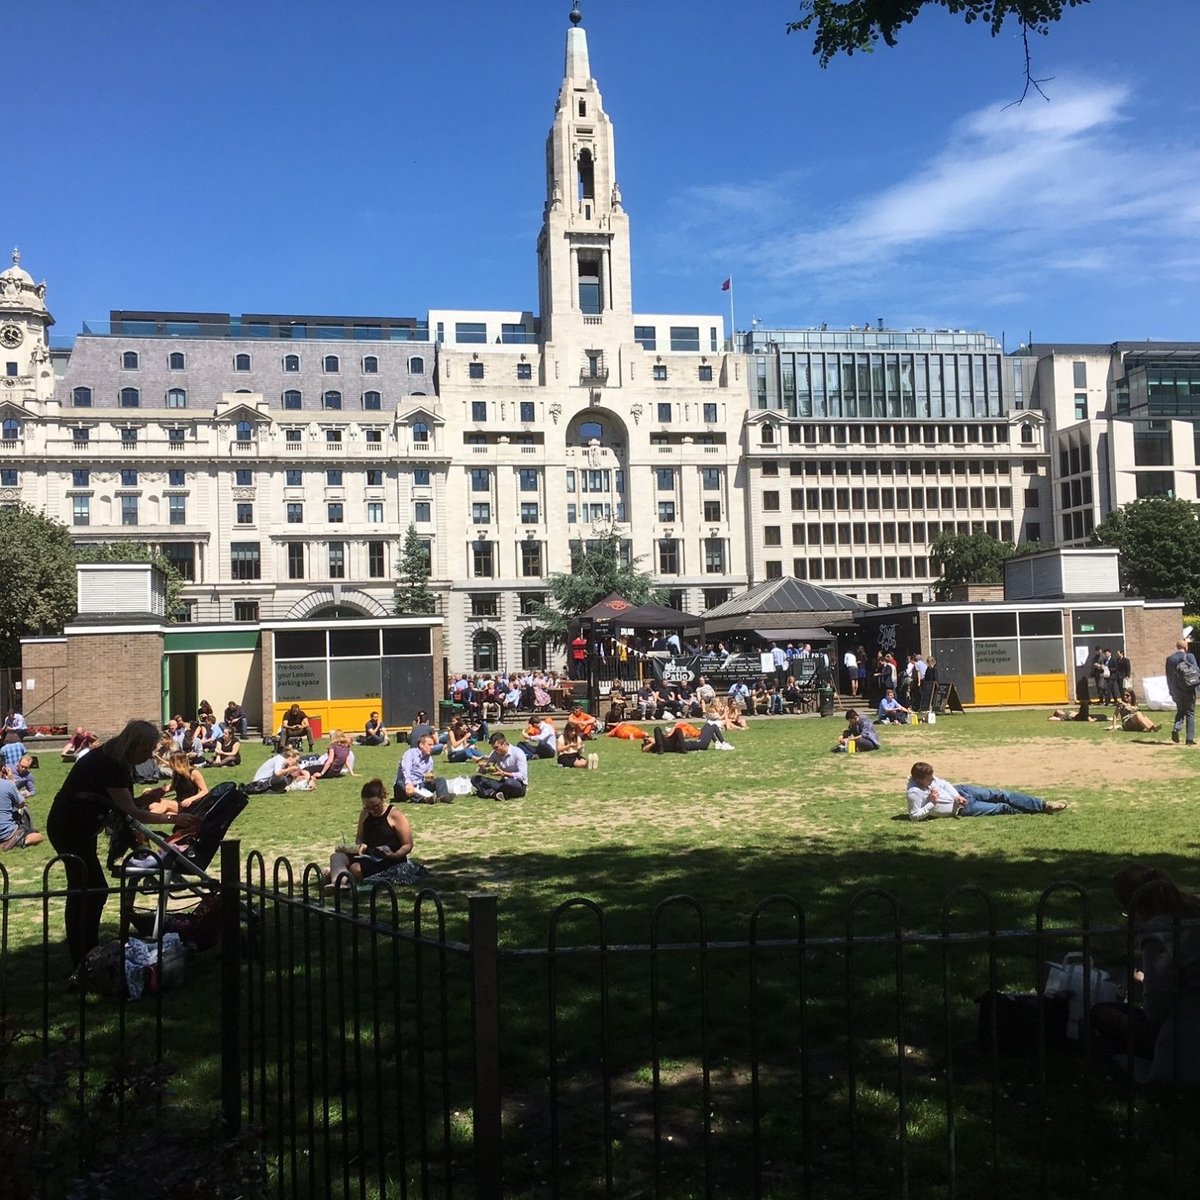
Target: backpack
[1187, 673]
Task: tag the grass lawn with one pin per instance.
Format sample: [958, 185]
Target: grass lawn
[778, 815]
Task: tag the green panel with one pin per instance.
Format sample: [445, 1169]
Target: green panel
[233, 639]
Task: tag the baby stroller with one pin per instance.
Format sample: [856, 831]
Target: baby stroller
[176, 866]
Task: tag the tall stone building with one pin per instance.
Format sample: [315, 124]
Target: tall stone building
[278, 459]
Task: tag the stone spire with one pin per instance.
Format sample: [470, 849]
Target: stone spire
[576, 65]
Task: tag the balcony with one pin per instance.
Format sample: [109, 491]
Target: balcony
[10, 444]
[593, 377]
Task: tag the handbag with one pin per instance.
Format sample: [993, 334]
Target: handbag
[1069, 978]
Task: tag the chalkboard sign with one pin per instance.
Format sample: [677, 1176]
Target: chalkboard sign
[945, 699]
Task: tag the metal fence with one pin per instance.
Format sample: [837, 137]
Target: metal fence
[352, 1046]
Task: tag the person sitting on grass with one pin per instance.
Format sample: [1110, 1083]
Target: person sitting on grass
[540, 739]
[16, 829]
[374, 733]
[570, 749]
[860, 731]
[338, 760]
[929, 796]
[80, 738]
[1128, 717]
[187, 785]
[293, 727]
[415, 780]
[584, 722]
[228, 750]
[460, 741]
[420, 727]
[618, 708]
[284, 773]
[383, 842]
[13, 749]
[891, 711]
[22, 776]
[504, 774]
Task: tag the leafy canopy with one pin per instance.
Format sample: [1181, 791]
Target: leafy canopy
[1159, 541]
[850, 26]
[412, 583]
[971, 558]
[597, 571]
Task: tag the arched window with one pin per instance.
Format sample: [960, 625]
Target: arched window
[331, 364]
[175, 361]
[81, 397]
[241, 362]
[590, 431]
[485, 650]
[1026, 434]
[291, 401]
[587, 172]
[244, 431]
[420, 432]
[768, 434]
[129, 360]
[533, 651]
[10, 431]
[332, 400]
[370, 365]
[416, 366]
[372, 401]
[291, 362]
[129, 398]
[177, 398]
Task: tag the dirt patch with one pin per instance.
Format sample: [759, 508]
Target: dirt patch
[1057, 766]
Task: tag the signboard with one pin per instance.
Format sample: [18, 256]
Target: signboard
[720, 670]
[302, 680]
[945, 699]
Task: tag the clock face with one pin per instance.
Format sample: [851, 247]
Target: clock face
[11, 336]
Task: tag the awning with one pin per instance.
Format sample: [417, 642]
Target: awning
[794, 635]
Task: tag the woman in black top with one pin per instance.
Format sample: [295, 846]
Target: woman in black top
[99, 784]
[384, 838]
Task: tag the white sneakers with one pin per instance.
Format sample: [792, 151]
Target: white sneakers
[593, 762]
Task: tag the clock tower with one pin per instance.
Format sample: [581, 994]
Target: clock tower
[25, 370]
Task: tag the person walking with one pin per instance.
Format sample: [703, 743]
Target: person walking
[1183, 677]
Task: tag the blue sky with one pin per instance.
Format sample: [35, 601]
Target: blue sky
[387, 157]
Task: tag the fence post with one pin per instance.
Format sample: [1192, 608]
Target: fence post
[485, 1018]
[231, 995]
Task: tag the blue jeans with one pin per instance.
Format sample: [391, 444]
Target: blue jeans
[990, 802]
[1185, 715]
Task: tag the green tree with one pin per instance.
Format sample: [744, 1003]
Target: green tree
[596, 571]
[971, 558]
[37, 587]
[850, 26]
[412, 571]
[136, 552]
[1159, 541]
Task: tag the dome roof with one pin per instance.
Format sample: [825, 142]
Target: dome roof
[16, 271]
[19, 293]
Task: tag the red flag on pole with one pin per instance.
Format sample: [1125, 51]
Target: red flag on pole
[727, 284]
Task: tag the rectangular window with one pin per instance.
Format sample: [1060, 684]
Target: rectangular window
[10, 477]
[293, 477]
[772, 535]
[295, 560]
[485, 604]
[527, 479]
[1079, 374]
[526, 412]
[374, 512]
[529, 512]
[333, 477]
[645, 336]
[245, 610]
[177, 510]
[1081, 410]
[470, 332]
[374, 477]
[714, 556]
[80, 436]
[525, 372]
[376, 561]
[421, 477]
[176, 478]
[481, 513]
[770, 501]
[685, 337]
[81, 478]
[295, 513]
[478, 410]
[292, 436]
[706, 374]
[337, 560]
[710, 481]
[668, 556]
[129, 510]
[182, 556]
[660, 372]
[336, 512]
[80, 510]
[245, 560]
[531, 559]
[710, 414]
[482, 562]
[243, 477]
[481, 479]
[666, 511]
[129, 477]
[664, 414]
[665, 477]
[244, 513]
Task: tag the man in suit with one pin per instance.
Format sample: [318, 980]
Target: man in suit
[1183, 694]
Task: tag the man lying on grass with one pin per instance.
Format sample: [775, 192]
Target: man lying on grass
[929, 796]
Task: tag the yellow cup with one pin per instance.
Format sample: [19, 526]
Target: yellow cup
[851, 745]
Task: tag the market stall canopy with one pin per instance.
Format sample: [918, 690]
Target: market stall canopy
[621, 612]
[786, 609]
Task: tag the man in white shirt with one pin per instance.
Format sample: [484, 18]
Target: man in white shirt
[504, 775]
[929, 796]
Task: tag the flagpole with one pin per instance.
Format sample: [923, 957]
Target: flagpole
[732, 322]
